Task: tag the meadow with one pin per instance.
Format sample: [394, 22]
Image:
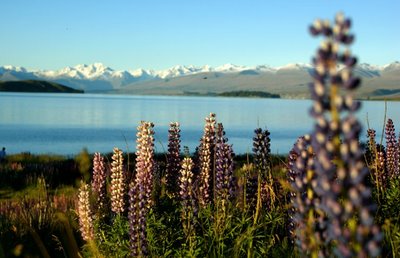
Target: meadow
[331, 196]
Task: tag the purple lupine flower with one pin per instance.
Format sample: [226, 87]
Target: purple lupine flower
[371, 146]
[339, 165]
[291, 176]
[99, 180]
[261, 151]
[85, 214]
[173, 159]
[118, 182]
[307, 221]
[224, 186]
[145, 163]
[392, 150]
[137, 220]
[375, 155]
[206, 160]
[251, 187]
[140, 201]
[186, 196]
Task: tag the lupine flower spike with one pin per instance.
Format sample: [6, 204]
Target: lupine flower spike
[140, 193]
[307, 220]
[262, 151]
[186, 196]
[206, 160]
[375, 155]
[392, 150]
[224, 188]
[85, 214]
[339, 160]
[118, 182]
[173, 159]
[99, 181]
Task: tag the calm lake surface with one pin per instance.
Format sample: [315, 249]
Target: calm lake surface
[66, 123]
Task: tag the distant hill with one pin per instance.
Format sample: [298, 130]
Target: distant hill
[36, 86]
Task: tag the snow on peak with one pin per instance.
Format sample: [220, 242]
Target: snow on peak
[96, 70]
[295, 66]
[181, 70]
[15, 68]
[231, 68]
[142, 73]
[392, 66]
[369, 67]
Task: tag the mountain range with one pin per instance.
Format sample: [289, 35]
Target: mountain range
[290, 81]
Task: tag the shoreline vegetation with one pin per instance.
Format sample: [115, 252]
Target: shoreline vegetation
[35, 86]
[241, 94]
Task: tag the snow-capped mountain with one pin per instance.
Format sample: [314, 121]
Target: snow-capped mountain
[295, 67]
[93, 71]
[395, 66]
[98, 77]
[181, 70]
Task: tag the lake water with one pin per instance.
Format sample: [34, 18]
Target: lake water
[66, 123]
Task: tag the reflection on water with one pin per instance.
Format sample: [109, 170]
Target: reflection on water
[64, 123]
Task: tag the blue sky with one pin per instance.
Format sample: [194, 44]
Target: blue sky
[51, 34]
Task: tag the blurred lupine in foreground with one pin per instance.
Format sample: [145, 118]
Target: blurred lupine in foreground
[339, 164]
[206, 160]
[118, 182]
[186, 196]
[392, 150]
[140, 199]
[224, 186]
[85, 214]
[99, 181]
[173, 159]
